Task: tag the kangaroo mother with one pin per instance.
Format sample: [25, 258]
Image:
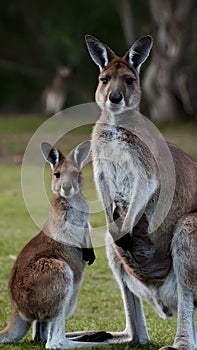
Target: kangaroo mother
[159, 267]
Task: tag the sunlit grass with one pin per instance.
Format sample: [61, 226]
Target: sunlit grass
[99, 305]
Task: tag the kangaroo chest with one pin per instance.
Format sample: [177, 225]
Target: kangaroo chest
[116, 163]
[119, 158]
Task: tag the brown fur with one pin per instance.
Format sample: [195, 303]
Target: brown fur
[38, 276]
[48, 272]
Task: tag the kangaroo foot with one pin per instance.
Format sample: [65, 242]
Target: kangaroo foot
[168, 348]
[98, 337]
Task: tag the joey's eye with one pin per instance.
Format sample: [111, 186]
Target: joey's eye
[104, 81]
[57, 175]
[75, 174]
[129, 81]
[80, 178]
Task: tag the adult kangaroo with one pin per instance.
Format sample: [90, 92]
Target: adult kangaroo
[158, 265]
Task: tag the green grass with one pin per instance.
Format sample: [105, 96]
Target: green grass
[99, 303]
[183, 135]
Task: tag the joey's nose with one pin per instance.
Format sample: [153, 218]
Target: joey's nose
[67, 187]
[115, 96]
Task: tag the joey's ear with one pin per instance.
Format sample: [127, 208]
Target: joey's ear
[100, 53]
[51, 154]
[81, 153]
[139, 52]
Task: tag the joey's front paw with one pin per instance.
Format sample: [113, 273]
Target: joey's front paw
[124, 242]
[88, 255]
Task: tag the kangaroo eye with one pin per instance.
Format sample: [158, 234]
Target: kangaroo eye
[104, 81]
[57, 175]
[75, 174]
[129, 81]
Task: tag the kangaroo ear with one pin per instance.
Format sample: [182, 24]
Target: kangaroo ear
[101, 54]
[81, 154]
[51, 154]
[139, 52]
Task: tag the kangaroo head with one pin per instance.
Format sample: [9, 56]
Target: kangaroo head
[119, 85]
[66, 170]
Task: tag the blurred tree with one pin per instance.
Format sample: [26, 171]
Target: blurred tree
[171, 71]
[169, 81]
[127, 20]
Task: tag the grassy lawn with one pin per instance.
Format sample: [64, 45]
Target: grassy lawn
[99, 304]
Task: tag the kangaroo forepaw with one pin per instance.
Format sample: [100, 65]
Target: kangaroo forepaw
[88, 255]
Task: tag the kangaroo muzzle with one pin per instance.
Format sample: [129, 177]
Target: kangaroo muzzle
[116, 97]
[67, 189]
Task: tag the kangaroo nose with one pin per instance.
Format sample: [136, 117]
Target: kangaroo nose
[67, 187]
[115, 96]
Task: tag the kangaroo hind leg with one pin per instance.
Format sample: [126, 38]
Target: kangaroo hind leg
[40, 330]
[184, 253]
[16, 328]
[135, 331]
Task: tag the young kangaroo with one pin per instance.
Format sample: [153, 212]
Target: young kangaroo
[159, 267]
[48, 272]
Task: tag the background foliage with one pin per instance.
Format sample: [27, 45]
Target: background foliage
[37, 37]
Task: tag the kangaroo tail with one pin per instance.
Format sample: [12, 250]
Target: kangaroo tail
[16, 328]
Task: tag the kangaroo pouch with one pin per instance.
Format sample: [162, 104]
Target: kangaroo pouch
[140, 256]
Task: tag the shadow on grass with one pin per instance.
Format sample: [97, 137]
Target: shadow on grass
[149, 346]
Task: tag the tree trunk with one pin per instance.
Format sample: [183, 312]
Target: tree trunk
[127, 21]
[166, 79]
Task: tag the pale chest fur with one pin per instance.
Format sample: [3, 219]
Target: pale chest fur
[114, 173]
[119, 160]
[69, 222]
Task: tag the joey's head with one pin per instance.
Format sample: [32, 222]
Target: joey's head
[66, 170]
[119, 85]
